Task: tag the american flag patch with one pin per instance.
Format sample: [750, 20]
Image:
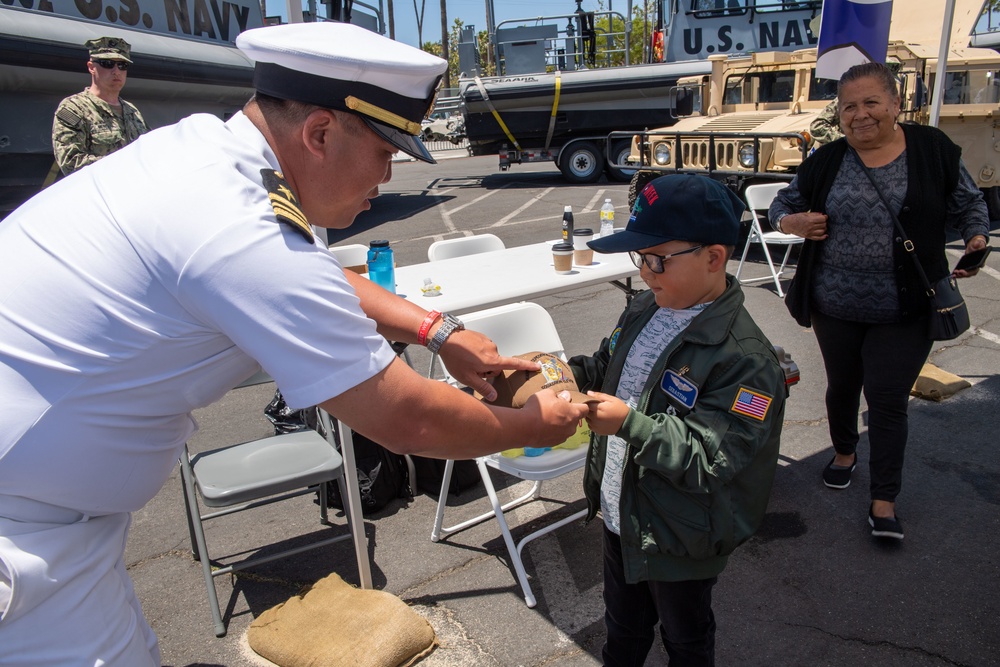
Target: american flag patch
[751, 403]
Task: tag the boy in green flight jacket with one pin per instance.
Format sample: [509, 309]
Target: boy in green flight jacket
[685, 440]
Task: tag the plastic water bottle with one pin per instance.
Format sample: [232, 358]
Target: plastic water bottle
[607, 218]
[381, 265]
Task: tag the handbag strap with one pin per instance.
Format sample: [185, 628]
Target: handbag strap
[907, 243]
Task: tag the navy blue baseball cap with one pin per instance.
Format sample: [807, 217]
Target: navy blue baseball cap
[678, 207]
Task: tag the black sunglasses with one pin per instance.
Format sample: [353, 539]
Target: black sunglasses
[655, 262]
[110, 64]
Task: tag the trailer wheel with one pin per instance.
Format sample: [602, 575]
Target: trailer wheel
[619, 152]
[581, 162]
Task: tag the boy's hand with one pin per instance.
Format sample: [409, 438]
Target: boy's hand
[606, 417]
[555, 418]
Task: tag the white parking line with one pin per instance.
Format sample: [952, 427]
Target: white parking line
[982, 333]
[477, 200]
[446, 217]
[593, 201]
[531, 202]
[992, 273]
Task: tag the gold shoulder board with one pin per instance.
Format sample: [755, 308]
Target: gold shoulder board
[285, 203]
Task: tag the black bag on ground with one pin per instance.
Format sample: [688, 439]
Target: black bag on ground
[382, 477]
[430, 473]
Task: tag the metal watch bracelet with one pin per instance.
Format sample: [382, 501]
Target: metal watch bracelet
[449, 325]
[777, 222]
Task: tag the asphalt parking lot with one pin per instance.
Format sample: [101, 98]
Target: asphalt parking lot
[812, 588]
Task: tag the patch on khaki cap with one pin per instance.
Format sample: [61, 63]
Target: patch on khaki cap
[514, 388]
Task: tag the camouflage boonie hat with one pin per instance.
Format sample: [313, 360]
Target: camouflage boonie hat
[109, 48]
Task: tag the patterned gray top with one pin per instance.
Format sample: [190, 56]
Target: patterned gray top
[854, 277]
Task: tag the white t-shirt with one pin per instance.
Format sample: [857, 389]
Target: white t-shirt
[145, 286]
[665, 325]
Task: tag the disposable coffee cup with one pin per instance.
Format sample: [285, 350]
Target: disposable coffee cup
[562, 257]
[582, 255]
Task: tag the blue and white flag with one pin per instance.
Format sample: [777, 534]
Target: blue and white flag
[852, 32]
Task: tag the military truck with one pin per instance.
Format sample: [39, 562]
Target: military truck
[562, 83]
[748, 121]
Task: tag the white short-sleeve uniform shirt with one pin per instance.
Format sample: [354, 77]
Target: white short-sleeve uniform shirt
[134, 291]
[146, 286]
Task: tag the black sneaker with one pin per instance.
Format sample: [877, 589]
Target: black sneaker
[883, 527]
[838, 477]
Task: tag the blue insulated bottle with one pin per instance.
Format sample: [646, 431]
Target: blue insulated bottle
[380, 265]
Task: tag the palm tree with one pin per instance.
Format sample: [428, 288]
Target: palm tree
[420, 20]
[444, 42]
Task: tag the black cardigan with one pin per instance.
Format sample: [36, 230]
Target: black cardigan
[932, 174]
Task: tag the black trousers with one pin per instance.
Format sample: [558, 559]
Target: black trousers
[683, 610]
[884, 361]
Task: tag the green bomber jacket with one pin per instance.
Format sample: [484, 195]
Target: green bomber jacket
[703, 440]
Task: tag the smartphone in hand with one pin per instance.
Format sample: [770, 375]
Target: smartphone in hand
[973, 260]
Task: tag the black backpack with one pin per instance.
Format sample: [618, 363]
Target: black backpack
[430, 473]
[382, 477]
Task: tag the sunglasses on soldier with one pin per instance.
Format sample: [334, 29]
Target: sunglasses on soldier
[110, 64]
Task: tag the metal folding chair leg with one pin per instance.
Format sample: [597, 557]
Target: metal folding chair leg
[352, 505]
[513, 549]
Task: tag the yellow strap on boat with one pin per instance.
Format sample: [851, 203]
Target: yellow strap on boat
[555, 107]
[503, 126]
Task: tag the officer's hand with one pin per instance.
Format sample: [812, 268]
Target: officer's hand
[607, 417]
[808, 225]
[471, 357]
[557, 418]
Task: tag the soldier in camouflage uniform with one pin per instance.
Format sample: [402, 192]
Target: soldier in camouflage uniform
[97, 122]
[826, 127]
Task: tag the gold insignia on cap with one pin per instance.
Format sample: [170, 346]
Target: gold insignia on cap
[285, 203]
[382, 115]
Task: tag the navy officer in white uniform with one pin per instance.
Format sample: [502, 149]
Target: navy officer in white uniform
[147, 285]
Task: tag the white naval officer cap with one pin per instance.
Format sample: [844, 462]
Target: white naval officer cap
[390, 85]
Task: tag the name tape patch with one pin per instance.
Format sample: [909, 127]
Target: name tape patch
[679, 388]
[751, 403]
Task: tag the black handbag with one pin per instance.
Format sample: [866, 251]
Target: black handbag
[948, 316]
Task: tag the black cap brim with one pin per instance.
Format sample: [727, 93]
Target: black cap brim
[407, 143]
[626, 241]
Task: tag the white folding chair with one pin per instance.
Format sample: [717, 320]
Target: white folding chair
[759, 199]
[265, 471]
[460, 247]
[464, 245]
[516, 329]
[353, 256]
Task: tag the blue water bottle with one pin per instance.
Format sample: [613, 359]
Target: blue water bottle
[381, 265]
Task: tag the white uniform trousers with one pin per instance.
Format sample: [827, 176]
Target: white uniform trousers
[65, 597]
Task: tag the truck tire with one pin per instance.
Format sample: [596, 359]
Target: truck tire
[638, 182]
[620, 150]
[581, 162]
[992, 197]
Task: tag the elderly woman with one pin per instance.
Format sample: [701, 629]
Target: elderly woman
[855, 285]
